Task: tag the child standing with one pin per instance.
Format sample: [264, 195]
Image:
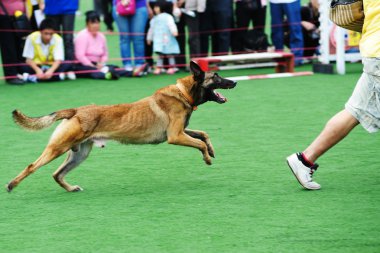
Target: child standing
[162, 33]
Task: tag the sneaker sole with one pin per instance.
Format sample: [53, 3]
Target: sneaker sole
[299, 181]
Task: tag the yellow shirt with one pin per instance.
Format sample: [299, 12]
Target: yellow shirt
[370, 42]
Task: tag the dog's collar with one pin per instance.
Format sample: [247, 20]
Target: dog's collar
[186, 95]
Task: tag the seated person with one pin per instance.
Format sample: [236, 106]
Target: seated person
[91, 52]
[44, 55]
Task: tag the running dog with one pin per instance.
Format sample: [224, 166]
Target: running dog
[161, 117]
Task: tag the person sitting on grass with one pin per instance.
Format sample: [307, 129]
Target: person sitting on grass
[91, 52]
[44, 55]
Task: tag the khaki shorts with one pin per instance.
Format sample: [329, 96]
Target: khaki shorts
[364, 103]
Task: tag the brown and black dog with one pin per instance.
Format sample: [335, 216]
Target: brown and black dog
[155, 119]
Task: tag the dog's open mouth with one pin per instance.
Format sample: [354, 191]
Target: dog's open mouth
[219, 98]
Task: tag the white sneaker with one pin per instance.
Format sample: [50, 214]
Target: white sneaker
[303, 173]
[61, 76]
[71, 75]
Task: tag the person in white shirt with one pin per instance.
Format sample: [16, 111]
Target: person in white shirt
[44, 54]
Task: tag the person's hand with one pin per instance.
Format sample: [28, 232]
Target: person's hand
[99, 65]
[149, 42]
[48, 74]
[307, 25]
[40, 74]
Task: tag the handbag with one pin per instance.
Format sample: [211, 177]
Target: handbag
[20, 23]
[348, 14]
[126, 7]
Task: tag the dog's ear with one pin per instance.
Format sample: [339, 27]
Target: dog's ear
[198, 73]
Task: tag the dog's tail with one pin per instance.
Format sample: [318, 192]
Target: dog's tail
[38, 123]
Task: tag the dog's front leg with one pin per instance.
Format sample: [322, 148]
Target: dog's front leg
[185, 140]
[203, 136]
[176, 135]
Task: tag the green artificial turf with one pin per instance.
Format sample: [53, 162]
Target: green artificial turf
[163, 198]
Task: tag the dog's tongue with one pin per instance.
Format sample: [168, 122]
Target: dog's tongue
[221, 98]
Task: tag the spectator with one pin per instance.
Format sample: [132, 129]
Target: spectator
[162, 33]
[245, 12]
[91, 51]
[292, 10]
[149, 48]
[44, 55]
[63, 14]
[10, 43]
[179, 18]
[363, 107]
[131, 30]
[194, 8]
[216, 21]
[106, 9]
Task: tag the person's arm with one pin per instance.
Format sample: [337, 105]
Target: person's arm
[57, 56]
[104, 57]
[49, 73]
[149, 36]
[39, 73]
[172, 26]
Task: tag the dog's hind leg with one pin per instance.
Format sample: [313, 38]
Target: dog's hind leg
[49, 154]
[64, 138]
[74, 158]
[203, 136]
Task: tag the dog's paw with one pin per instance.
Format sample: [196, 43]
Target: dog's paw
[9, 187]
[75, 188]
[210, 149]
[211, 152]
[207, 160]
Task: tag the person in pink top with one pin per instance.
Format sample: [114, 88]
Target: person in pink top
[91, 51]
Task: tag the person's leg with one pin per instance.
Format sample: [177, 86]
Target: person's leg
[88, 72]
[293, 14]
[180, 59]
[107, 13]
[335, 130]
[206, 28]
[125, 40]
[68, 28]
[242, 23]
[259, 18]
[276, 12]
[8, 47]
[223, 22]
[138, 23]
[362, 107]
[192, 24]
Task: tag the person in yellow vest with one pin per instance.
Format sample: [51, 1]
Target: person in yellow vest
[363, 107]
[44, 55]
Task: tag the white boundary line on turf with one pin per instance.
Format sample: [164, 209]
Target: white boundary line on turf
[268, 76]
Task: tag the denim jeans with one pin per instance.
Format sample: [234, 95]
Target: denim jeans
[132, 29]
[293, 15]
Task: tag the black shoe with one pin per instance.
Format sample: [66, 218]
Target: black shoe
[15, 81]
[115, 75]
